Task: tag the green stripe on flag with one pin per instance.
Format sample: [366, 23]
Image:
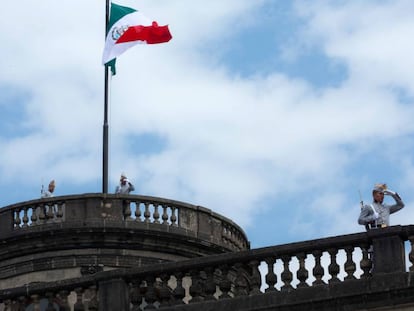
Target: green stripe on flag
[117, 12]
[111, 64]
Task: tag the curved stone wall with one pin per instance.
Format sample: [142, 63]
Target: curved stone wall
[361, 271]
[70, 236]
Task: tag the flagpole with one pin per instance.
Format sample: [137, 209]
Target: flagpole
[105, 123]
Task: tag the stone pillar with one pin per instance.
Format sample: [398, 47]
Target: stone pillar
[6, 223]
[388, 254]
[93, 207]
[113, 295]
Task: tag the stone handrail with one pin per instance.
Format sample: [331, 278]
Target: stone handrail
[289, 268]
[127, 209]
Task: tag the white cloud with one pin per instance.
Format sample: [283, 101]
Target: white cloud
[233, 144]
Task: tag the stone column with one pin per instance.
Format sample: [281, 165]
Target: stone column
[388, 256]
[6, 223]
[113, 295]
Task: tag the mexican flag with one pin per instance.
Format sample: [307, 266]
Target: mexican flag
[126, 28]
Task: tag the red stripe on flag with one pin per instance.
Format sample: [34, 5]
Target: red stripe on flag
[150, 34]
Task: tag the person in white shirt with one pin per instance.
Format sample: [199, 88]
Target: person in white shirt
[50, 189]
[125, 186]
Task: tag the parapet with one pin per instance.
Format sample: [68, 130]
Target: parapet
[70, 236]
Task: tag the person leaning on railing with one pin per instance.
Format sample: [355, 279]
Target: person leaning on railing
[377, 214]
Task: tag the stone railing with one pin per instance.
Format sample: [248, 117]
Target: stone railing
[331, 263]
[160, 213]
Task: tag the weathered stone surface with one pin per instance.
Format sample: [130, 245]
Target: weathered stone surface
[103, 254]
[100, 229]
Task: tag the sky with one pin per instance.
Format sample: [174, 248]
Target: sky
[280, 115]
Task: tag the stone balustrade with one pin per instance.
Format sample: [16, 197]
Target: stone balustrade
[67, 237]
[329, 268]
[129, 209]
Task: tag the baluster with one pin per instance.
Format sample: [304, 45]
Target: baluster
[150, 295]
[59, 213]
[143, 288]
[203, 281]
[318, 271]
[230, 235]
[164, 214]
[366, 263]
[210, 284]
[302, 273]
[236, 238]
[135, 295]
[224, 234]
[42, 215]
[33, 218]
[21, 303]
[350, 266]
[138, 211]
[156, 214]
[93, 301]
[10, 305]
[179, 291]
[411, 254]
[271, 277]
[35, 302]
[333, 268]
[7, 305]
[240, 283]
[225, 284]
[25, 218]
[286, 275]
[17, 220]
[239, 240]
[255, 279]
[173, 217]
[50, 213]
[195, 288]
[63, 300]
[79, 306]
[147, 213]
[50, 299]
[127, 209]
[164, 291]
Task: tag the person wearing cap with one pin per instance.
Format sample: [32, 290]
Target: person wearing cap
[125, 186]
[48, 194]
[50, 189]
[377, 214]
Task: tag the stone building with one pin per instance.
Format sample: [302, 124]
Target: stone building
[130, 252]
